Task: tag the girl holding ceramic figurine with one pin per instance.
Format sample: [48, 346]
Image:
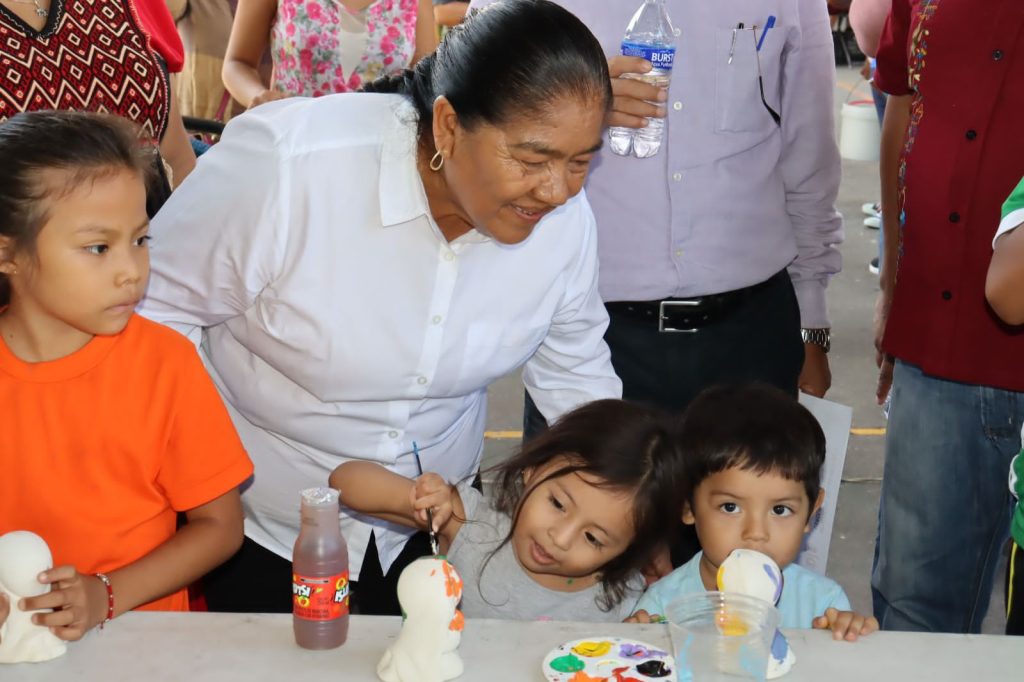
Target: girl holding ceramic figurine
[574, 516]
[110, 426]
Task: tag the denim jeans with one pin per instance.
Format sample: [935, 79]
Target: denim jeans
[945, 509]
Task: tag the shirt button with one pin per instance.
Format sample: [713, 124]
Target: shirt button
[954, 217]
[421, 380]
[678, 106]
[971, 134]
[436, 319]
[677, 31]
[997, 55]
[392, 434]
[677, 176]
[947, 295]
[448, 255]
[679, 253]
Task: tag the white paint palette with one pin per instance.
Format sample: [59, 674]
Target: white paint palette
[608, 659]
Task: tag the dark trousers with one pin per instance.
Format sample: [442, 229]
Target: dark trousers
[1015, 591]
[255, 580]
[759, 340]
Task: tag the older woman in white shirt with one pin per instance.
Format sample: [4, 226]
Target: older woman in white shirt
[358, 269]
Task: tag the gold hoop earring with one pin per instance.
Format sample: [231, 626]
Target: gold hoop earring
[437, 161]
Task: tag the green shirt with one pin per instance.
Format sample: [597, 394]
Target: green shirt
[1013, 210]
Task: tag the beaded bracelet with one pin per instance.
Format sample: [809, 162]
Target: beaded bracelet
[110, 598]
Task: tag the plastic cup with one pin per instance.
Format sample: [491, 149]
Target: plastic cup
[721, 637]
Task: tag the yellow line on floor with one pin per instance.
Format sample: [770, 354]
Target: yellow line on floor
[516, 435]
[868, 432]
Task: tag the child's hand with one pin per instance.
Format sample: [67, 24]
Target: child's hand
[432, 492]
[642, 616]
[847, 625]
[79, 603]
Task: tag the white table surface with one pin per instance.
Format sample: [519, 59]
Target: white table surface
[195, 647]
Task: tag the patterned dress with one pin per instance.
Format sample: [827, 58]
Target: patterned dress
[320, 47]
[92, 55]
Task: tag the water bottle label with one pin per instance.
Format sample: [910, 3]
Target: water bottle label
[320, 599]
[661, 57]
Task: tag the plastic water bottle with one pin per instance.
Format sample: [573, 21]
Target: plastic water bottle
[650, 35]
[320, 587]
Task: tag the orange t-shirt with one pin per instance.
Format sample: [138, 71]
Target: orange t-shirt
[99, 450]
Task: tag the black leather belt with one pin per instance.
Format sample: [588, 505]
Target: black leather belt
[688, 315]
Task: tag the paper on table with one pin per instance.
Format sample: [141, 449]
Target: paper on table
[835, 421]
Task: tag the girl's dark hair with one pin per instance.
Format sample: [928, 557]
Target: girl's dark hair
[757, 428]
[628, 447]
[511, 58]
[84, 146]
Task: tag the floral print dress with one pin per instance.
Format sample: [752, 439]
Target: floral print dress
[315, 44]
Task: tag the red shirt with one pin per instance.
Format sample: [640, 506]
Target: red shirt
[157, 21]
[963, 63]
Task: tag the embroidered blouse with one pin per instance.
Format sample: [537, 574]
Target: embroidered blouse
[320, 47]
[89, 56]
[963, 153]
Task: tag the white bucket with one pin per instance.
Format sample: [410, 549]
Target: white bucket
[859, 135]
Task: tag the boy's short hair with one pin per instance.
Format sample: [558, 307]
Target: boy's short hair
[755, 427]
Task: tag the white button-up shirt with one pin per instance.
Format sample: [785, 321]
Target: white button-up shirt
[339, 323]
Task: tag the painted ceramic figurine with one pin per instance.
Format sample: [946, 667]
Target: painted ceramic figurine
[23, 556]
[756, 575]
[429, 591]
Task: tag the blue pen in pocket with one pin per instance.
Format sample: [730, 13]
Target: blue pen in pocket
[770, 23]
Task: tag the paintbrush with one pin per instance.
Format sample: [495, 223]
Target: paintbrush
[434, 547]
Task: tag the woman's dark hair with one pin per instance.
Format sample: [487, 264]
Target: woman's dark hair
[754, 427]
[628, 447]
[84, 146]
[512, 58]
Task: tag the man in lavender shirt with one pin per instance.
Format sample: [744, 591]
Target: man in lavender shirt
[715, 254]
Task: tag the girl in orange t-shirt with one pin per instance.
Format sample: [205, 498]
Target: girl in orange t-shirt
[111, 426]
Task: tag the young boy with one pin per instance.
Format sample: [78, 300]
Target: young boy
[754, 458]
[1004, 288]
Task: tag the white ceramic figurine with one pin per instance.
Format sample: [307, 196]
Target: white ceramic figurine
[756, 575]
[429, 591]
[23, 556]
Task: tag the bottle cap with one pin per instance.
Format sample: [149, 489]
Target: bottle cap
[320, 496]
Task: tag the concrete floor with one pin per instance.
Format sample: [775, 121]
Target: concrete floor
[851, 299]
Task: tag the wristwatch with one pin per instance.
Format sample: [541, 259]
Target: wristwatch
[819, 337]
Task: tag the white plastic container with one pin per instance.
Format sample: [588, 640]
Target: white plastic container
[859, 133]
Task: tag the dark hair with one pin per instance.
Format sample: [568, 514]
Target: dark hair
[509, 59]
[628, 447]
[757, 428]
[85, 146]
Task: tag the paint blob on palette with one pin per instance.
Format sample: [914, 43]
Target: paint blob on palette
[608, 659]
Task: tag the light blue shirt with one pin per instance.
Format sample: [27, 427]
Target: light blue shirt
[805, 594]
[731, 198]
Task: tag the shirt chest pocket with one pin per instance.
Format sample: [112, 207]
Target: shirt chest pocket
[492, 351]
[738, 63]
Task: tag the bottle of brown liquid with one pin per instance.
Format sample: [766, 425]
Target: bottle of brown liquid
[320, 588]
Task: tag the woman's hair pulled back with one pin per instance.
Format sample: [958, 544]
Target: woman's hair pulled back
[84, 146]
[628, 447]
[513, 58]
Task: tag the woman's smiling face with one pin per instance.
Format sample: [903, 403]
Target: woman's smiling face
[504, 178]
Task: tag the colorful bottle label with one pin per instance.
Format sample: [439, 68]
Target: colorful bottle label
[660, 56]
[320, 599]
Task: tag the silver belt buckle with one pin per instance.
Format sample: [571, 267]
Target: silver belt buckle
[675, 304]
